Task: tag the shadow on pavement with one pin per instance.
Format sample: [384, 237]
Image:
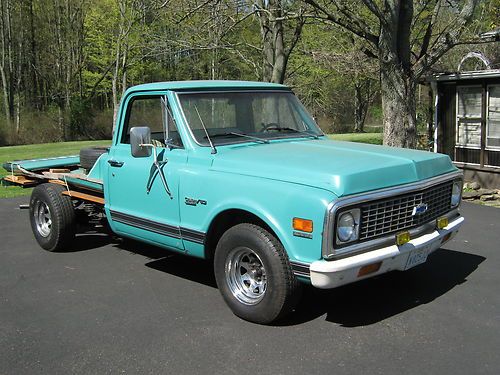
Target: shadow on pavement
[89, 241]
[189, 268]
[373, 300]
[359, 304]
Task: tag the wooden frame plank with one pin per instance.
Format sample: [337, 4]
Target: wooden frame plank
[84, 196]
[21, 180]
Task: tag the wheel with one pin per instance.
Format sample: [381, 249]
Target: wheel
[254, 275]
[88, 156]
[52, 217]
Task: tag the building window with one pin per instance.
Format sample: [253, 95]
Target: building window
[469, 104]
[493, 123]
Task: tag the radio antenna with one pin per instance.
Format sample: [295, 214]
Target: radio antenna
[214, 150]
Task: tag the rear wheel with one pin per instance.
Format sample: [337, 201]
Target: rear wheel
[52, 217]
[254, 275]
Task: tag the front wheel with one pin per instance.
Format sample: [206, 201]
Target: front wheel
[52, 217]
[254, 275]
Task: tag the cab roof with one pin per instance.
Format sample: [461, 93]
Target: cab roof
[206, 85]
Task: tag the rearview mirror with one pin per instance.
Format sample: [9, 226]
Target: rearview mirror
[140, 136]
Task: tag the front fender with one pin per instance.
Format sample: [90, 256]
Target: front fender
[274, 202]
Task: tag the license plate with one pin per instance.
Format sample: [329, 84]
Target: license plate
[418, 256]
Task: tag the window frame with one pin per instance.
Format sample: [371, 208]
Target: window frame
[488, 147]
[233, 141]
[457, 119]
[166, 113]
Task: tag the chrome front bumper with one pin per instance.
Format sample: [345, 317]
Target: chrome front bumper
[331, 274]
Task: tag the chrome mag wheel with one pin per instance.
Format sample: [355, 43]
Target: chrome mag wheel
[43, 218]
[246, 276]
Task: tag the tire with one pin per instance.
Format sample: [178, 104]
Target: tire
[52, 217]
[88, 156]
[262, 261]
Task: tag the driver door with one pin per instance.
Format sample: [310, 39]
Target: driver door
[140, 205]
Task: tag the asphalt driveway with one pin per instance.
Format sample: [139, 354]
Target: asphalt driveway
[123, 307]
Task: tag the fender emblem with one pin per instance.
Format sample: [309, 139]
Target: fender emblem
[194, 202]
[420, 209]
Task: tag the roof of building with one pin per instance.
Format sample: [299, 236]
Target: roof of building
[478, 74]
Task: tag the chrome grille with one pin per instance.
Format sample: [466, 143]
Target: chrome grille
[394, 214]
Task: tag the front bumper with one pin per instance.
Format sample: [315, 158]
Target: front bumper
[331, 274]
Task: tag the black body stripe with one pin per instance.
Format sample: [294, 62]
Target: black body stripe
[192, 235]
[160, 228]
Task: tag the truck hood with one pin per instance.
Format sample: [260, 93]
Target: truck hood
[343, 168]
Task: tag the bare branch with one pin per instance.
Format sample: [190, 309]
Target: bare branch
[373, 7]
[352, 23]
[447, 41]
[296, 36]
[193, 11]
[428, 31]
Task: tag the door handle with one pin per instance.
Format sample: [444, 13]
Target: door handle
[115, 163]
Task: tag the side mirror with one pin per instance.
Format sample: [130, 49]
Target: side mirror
[140, 136]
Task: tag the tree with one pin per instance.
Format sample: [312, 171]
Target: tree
[407, 38]
[272, 15]
[348, 60]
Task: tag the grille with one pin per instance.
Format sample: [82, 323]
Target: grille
[395, 214]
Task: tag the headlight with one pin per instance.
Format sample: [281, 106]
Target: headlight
[348, 226]
[456, 193]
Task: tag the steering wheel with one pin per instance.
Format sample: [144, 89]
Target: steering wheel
[270, 126]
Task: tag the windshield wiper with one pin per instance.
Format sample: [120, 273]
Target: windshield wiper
[280, 129]
[228, 134]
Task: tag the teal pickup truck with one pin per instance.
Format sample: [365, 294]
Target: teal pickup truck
[240, 174]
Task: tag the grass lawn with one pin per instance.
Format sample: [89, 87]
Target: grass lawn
[11, 153]
[373, 138]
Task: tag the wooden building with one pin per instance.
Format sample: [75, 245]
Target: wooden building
[467, 122]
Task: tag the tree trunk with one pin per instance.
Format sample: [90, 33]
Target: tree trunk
[358, 108]
[399, 107]
[397, 82]
[274, 51]
[280, 58]
[5, 92]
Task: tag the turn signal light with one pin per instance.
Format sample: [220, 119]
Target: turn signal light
[402, 238]
[442, 222]
[303, 225]
[370, 268]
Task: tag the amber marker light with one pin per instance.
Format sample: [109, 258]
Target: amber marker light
[402, 238]
[368, 269]
[303, 225]
[442, 222]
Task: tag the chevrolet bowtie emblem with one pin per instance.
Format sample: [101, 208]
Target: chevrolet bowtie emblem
[420, 209]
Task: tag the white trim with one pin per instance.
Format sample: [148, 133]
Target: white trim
[487, 147]
[436, 115]
[469, 147]
[492, 166]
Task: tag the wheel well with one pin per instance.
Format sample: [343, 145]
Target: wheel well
[227, 219]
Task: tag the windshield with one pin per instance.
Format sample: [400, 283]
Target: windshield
[227, 116]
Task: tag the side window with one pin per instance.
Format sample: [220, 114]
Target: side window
[152, 111]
